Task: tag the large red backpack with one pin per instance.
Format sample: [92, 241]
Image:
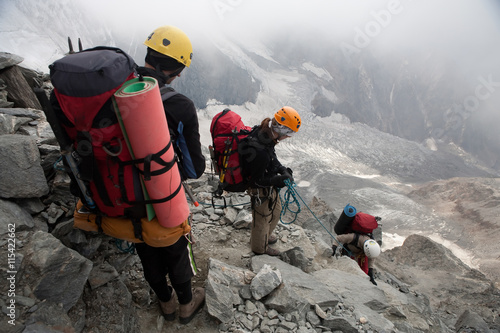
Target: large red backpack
[84, 83]
[352, 221]
[364, 223]
[227, 131]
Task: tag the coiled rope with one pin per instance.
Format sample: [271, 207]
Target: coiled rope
[289, 200]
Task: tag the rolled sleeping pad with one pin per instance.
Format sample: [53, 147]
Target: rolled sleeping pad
[139, 108]
[343, 225]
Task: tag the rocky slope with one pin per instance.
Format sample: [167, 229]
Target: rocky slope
[60, 279]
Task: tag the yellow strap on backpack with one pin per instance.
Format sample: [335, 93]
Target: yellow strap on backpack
[152, 232]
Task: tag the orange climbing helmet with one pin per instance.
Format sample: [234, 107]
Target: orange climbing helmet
[287, 116]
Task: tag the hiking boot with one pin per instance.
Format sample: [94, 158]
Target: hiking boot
[188, 311]
[168, 308]
[272, 239]
[272, 252]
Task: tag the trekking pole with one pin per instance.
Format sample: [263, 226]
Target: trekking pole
[187, 189]
[65, 144]
[225, 160]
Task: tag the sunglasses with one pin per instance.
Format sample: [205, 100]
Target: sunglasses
[282, 130]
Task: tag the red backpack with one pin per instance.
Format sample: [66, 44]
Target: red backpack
[364, 223]
[227, 131]
[84, 83]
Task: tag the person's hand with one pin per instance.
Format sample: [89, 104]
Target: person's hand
[284, 171]
[370, 274]
[289, 173]
[337, 251]
[278, 181]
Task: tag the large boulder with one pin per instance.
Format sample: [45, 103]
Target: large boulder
[18, 89]
[22, 175]
[53, 271]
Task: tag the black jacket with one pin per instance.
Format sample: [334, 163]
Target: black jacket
[180, 108]
[258, 158]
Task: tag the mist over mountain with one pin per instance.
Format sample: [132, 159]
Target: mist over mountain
[395, 66]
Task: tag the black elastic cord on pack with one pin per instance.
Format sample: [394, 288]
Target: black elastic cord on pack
[150, 158]
[136, 223]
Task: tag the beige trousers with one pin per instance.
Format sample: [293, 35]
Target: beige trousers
[266, 210]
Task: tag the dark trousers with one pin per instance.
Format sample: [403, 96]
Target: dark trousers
[176, 261]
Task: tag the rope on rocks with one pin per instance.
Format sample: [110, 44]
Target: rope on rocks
[290, 197]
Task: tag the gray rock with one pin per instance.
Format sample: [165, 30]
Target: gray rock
[10, 124]
[102, 274]
[243, 220]
[250, 308]
[31, 205]
[55, 272]
[12, 216]
[245, 292]
[296, 257]
[20, 112]
[62, 229]
[340, 324]
[358, 292]
[313, 318]
[266, 280]
[222, 289]
[22, 175]
[18, 89]
[323, 248]
[49, 317]
[39, 328]
[25, 301]
[110, 308]
[9, 60]
[229, 215]
[299, 290]
[471, 320]
[240, 200]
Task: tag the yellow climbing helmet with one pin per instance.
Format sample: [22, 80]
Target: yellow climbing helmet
[172, 42]
[287, 116]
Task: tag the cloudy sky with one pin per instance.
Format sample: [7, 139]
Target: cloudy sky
[468, 31]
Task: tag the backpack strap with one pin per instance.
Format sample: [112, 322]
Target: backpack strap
[88, 166]
[167, 92]
[355, 240]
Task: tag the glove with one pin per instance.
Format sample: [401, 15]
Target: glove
[278, 181]
[289, 173]
[337, 251]
[286, 172]
[370, 274]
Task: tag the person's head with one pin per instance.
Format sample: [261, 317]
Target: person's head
[169, 51]
[286, 122]
[371, 248]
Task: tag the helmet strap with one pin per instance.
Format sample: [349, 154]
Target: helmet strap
[160, 73]
[176, 72]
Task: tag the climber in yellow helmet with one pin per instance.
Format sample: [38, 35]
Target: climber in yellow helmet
[169, 52]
